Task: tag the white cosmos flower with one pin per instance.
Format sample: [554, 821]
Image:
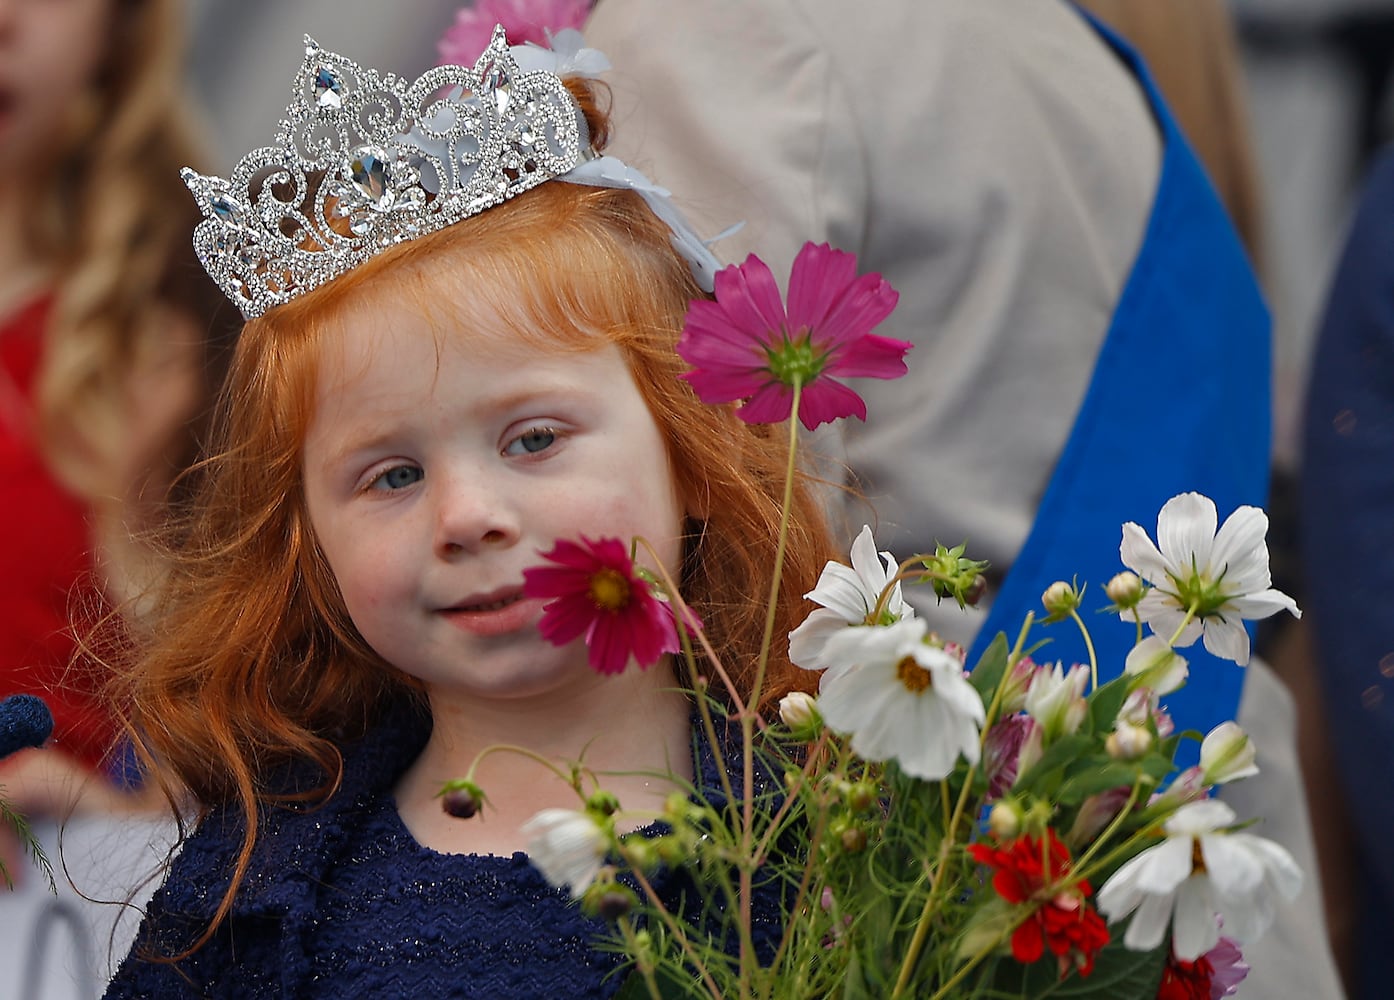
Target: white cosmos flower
[567, 846]
[1225, 574]
[901, 699]
[848, 596]
[1198, 872]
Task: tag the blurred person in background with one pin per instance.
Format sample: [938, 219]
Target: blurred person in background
[1057, 247]
[107, 353]
[1347, 539]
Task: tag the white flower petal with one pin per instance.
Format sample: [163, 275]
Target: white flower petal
[840, 589]
[1186, 532]
[1168, 865]
[1228, 639]
[1263, 603]
[1194, 930]
[1240, 551]
[1196, 818]
[1141, 556]
[1235, 869]
[807, 642]
[567, 847]
[1149, 923]
[1281, 870]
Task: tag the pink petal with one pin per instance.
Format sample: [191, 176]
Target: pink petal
[750, 297]
[827, 400]
[865, 303]
[709, 333]
[566, 619]
[818, 279]
[770, 404]
[606, 651]
[871, 356]
[723, 387]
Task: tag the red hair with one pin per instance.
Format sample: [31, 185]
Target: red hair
[289, 675]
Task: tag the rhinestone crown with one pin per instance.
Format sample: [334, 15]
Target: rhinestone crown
[362, 162]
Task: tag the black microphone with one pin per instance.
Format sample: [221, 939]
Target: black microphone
[25, 721]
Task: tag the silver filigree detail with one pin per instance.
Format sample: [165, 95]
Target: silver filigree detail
[362, 161]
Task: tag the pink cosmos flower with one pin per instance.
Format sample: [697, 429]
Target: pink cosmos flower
[600, 595]
[746, 345]
[522, 20]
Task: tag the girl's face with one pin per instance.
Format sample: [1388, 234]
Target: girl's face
[50, 52]
[438, 465]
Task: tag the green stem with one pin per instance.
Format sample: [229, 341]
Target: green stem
[1111, 829]
[1190, 617]
[747, 717]
[1089, 645]
[921, 935]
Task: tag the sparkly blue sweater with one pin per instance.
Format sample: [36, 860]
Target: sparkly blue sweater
[342, 901]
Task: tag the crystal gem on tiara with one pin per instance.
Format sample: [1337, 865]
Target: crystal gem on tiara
[363, 161]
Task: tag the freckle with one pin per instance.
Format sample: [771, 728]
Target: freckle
[1344, 423]
[1372, 697]
[1386, 665]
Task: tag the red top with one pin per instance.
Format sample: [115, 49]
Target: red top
[46, 578]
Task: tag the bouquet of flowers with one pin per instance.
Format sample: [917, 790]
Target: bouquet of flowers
[923, 827]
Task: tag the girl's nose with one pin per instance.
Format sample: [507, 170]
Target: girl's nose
[473, 516]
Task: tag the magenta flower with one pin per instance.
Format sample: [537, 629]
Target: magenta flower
[745, 345]
[522, 20]
[600, 595]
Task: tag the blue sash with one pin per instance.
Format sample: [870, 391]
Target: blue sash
[1179, 401]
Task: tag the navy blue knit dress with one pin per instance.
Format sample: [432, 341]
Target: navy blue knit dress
[343, 902]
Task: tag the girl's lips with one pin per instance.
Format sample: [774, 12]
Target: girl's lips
[499, 617]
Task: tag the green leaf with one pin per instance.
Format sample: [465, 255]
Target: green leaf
[1056, 756]
[1096, 778]
[1119, 974]
[987, 674]
[1105, 702]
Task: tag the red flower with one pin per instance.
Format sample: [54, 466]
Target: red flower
[1215, 974]
[746, 346]
[1185, 980]
[599, 594]
[1027, 873]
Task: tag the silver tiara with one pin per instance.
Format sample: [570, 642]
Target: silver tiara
[362, 162]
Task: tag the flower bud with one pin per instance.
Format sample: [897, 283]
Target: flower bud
[461, 799]
[1124, 590]
[861, 796]
[609, 901]
[1055, 699]
[1060, 598]
[1154, 664]
[1127, 741]
[973, 593]
[1227, 754]
[603, 803]
[1004, 820]
[853, 840]
[799, 711]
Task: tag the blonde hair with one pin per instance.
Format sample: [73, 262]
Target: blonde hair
[290, 676]
[115, 220]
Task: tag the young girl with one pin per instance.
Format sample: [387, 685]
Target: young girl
[345, 629]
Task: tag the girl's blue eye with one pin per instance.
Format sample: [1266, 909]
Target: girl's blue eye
[532, 441]
[399, 477]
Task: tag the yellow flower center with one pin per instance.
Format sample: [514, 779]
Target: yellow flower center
[915, 677]
[1197, 858]
[609, 590]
